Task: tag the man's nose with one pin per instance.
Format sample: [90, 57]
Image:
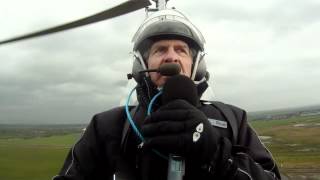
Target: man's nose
[171, 56]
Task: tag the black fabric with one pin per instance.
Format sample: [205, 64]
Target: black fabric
[171, 130]
[145, 91]
[227, 113]
[180, 87]
[201, 88]
[97, 154]
[126, 126]
[169, 69]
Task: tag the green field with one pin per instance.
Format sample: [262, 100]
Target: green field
[34, 158]
[294, 142]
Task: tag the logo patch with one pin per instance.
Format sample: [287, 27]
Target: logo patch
[218, 123]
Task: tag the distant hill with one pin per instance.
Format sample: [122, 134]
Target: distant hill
[38, 130]
[285, 113]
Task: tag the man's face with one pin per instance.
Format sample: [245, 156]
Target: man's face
[169, 51]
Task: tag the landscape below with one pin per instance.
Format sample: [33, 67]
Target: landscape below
[36, 152]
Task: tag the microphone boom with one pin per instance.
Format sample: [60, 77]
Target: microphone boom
[166, 69]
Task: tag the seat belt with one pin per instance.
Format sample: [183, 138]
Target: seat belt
[230, 117]
[124, 171]
[126, 127]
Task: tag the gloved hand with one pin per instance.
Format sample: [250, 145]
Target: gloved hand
[180, 128]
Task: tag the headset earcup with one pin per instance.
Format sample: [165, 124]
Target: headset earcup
[207, 76]
[136, 68]
[201, 70]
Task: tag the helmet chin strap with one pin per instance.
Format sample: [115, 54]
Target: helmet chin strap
[200, 81]
[200, 55]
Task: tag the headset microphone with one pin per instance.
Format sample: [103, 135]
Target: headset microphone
[178, 87]
[166, 69]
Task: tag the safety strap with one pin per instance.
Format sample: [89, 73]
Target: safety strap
[230, 117]
[124, 171]
[126, 126]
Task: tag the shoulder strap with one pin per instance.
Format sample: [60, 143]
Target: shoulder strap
[126, 126]
[230, 116]
[124, 171]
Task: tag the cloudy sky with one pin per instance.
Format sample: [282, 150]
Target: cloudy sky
[261, 55]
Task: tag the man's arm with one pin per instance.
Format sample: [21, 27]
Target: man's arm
[94, 155]
[257, 153]
[249, 159]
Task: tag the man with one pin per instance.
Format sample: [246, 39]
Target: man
[214, 138]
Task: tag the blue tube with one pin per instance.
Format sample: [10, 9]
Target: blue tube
[134, 127]
[152, 101]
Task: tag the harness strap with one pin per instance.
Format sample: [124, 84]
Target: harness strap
[125, 172]
[230, 117]
[126, 126]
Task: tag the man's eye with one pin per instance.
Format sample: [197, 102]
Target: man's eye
[159, 50]
[181, 50]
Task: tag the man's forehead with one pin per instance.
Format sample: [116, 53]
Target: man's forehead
[168, 42]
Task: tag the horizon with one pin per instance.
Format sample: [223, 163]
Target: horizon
[264, 112]
[261, 56]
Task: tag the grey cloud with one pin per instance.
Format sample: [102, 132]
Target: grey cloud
[282, 16]
[272, 86]
[40, 87]
[67, 77]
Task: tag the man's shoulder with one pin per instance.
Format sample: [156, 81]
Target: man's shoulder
[235, 108]
[112, 117]
[233, 114]
[229, 111]
[109, 122]
[216, 104]
[115, 111]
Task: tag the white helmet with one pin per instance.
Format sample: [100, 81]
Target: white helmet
[168, 24]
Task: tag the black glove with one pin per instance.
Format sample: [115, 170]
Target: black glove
[180, 128]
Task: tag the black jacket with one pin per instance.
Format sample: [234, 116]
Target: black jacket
[99, 155]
